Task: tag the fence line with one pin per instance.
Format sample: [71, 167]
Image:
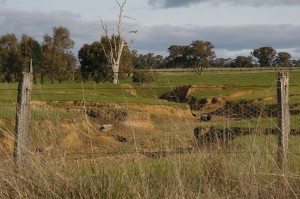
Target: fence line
[171, 151]
[138, 88]
[231, 116]
[216, 69]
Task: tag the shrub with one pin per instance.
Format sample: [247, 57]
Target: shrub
[214, 100]
[144, 76]
[203, 101]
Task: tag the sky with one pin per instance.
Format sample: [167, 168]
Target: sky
[234, 27]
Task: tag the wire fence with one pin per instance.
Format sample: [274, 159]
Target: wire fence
[162, 117]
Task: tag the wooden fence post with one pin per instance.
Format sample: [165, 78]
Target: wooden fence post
[22, 128]
[283, 119]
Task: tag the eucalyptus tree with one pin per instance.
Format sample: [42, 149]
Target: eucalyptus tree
[223, 62]
[243, 61]
[148, 60]
[283, 59]
[265, 55]
[31, 50]
[93, 63]
[201, 55]
[198, 55]
[59, 60]
[10, 58]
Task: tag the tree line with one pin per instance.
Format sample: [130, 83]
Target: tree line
[200, 53]
[53, 58]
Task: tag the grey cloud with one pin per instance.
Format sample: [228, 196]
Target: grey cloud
[37, 24]
[3, 2]
[173, 3]
[186, 3]
[154, 39]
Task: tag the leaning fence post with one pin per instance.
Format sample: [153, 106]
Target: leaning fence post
[22, 128]
[283, 118]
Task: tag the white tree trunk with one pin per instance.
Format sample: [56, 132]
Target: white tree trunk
[116, 78]
[115, 69]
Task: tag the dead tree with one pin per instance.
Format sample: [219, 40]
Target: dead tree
[116, 43]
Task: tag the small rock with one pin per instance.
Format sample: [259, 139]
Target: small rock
[106, 127]
[205, 117]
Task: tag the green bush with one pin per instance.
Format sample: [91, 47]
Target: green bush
[144, 76]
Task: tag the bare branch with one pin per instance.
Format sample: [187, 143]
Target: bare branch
[127, 17]
[104, 27]
[121, 6]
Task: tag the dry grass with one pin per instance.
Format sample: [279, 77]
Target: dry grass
[87, 164]
[210, 174]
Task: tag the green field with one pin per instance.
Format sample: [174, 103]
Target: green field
[263, 83]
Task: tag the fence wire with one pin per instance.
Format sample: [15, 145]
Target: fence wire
[237, 111]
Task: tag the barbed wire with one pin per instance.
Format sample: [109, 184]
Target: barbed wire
[163, 153]
[173, 152]
[136, 88]
[216, 69]
[180, 70]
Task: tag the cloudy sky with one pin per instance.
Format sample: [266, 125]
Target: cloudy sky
[235, 27]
